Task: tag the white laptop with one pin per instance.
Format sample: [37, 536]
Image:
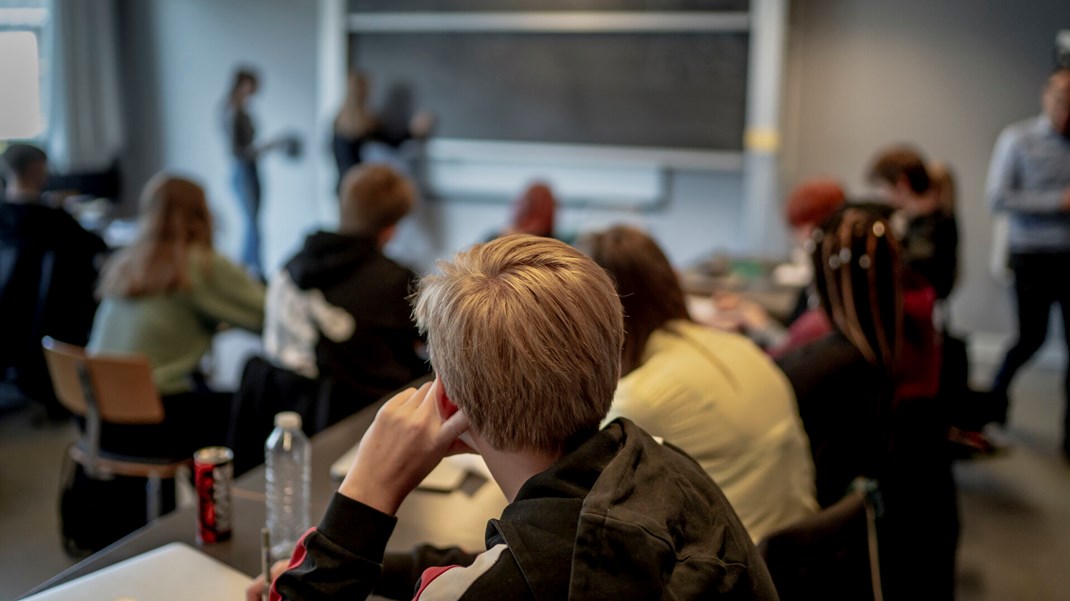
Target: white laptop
[173, 571]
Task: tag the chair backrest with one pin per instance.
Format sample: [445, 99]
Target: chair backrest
[125, 391]
[121, 387]
[64, 364]
[830, 555]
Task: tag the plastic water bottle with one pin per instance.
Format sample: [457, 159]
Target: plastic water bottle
[287, 454]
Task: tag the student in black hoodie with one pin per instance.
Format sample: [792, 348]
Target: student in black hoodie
[338, 311]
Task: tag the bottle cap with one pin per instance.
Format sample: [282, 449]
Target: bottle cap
[288, 419]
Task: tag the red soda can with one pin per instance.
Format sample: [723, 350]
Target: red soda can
[213, 474]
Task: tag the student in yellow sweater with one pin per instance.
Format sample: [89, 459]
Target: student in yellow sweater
[166, 295]
[711, 393]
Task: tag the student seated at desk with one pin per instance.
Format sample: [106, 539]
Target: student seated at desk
[339, 309]
[47, 273]
[714, 394]
[338, 331]
[525, 336]
[857, 391]
[930, 238]
[845, 382]
[166, 295]
[534, 213]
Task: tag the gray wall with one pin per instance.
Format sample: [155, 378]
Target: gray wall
[177, 62]
[945, 75]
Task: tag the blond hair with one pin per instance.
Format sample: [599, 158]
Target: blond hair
[525, 335]
[374, 197]
[174, 219]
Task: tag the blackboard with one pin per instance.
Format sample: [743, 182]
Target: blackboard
[540, 5]
[668, 90]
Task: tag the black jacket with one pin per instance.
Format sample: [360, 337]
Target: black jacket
[844, 402]
[47, 277]
[620, 517]
[930, 249]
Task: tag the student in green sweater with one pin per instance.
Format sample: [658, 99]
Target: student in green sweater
[166, 295]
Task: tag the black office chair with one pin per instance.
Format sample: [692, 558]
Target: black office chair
[831, 555]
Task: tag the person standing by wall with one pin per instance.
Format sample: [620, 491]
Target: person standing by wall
[1029, 179]
[241, 136]
[356, 125]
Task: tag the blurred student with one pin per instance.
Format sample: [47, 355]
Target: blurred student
[339, 309]
[1029, 180]
[525, 336]
[166, 295]
[245, 154]
[47, 277]
[713, 394]
[845, 382]
[859, 403]
[534, 213]
[356, 125]
[931, 238]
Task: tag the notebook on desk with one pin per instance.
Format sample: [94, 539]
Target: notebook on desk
[173, 571]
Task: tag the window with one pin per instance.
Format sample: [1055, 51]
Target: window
[23, 71]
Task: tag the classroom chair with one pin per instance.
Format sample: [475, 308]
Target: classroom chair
[111, 390]
[830, 555]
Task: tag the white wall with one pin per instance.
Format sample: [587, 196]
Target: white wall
[945, 75]
[177, 62]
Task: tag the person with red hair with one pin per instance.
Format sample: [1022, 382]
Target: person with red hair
[534, 213]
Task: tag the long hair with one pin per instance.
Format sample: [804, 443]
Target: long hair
[858, 275]
[174, 219]
[353, 119]
[649, 289]
[242, 76]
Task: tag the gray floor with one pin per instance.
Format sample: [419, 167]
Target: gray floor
[1015, 508]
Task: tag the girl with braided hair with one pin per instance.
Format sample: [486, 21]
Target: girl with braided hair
[858, 394]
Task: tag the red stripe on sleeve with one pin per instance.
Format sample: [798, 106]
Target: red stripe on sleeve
[295, 560]
[429, 576]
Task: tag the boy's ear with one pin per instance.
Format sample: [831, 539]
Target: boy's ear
[445, 406]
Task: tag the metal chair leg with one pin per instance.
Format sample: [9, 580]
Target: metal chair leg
[152, 496]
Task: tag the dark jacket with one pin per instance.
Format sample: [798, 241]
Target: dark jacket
[620, 517]
[844, 402]
[366, 340]
[47, 277]
[930, 249]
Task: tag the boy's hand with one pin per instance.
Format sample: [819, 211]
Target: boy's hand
[255, 591]
[404, 443]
